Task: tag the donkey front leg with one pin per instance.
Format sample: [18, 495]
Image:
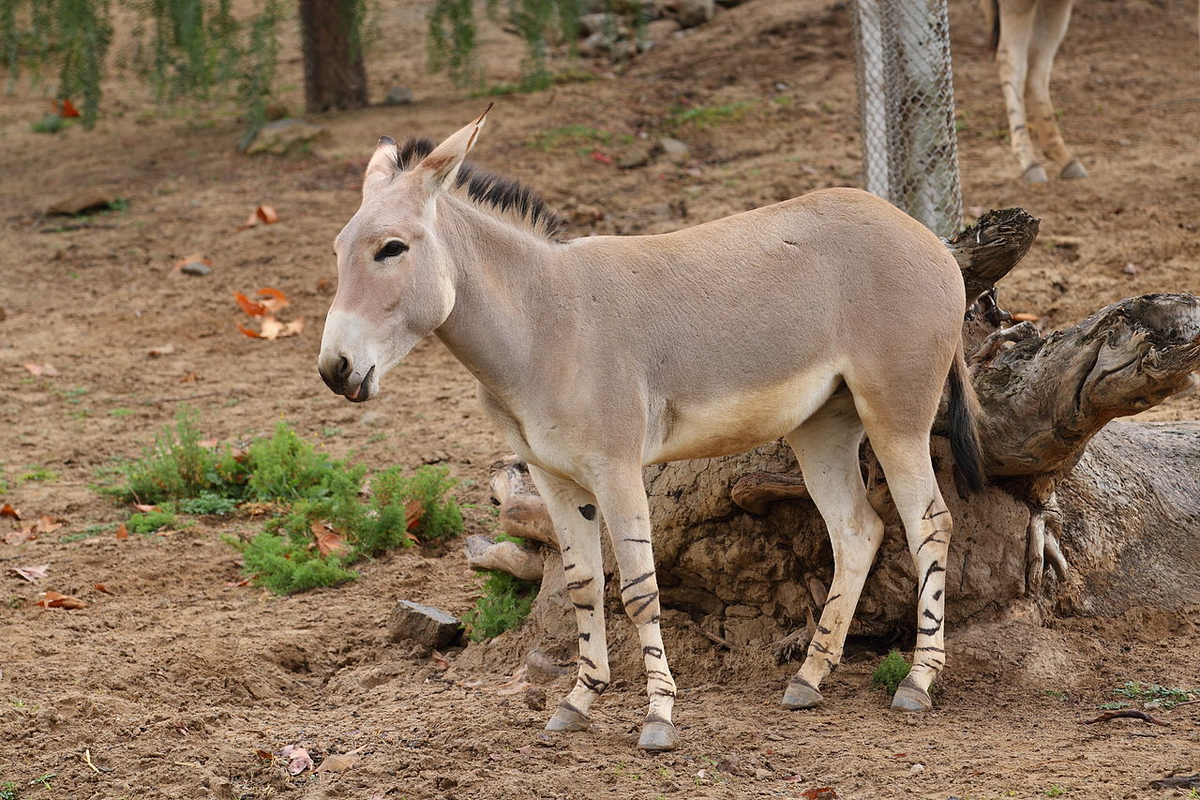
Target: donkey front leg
[1016, 31]
[573, 512]
[627, 515]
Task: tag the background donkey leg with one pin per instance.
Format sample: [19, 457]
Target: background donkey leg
[1050, 26]
[826, 446]
[1016, 30]
[914, 489]
[627, 515]
[573, 512]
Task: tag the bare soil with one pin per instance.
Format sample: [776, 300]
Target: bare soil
[172, 679]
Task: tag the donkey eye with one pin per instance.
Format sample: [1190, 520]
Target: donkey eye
[393, 248]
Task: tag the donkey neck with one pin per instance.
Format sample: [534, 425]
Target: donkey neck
[503, 276]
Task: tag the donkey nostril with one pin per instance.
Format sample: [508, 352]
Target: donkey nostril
[343, 367]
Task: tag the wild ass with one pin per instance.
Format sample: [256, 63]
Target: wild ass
[600, 355]
[1025, 37]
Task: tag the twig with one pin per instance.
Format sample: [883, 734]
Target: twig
[1126, 712]
[87, 758]
[712, 637]
[186, 397]
[1186, 703]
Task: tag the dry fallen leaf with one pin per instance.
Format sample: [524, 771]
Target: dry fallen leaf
[413, 511]
[100, 587]
[65, 108]
[440, 660]
[47, 525]
[297, 758]
[56, 600]
[26, 534]
[249, 306]
[339, 763]
[145, 508]
[122, 531]
[263, 214]
[31, 574]
[328, 542]
[1025, 316]
[272, 299]
[9, 511]
[47, 370]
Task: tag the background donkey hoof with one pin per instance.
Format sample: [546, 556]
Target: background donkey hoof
[1035, 174]
[800, 694]
[568, 718]
[910, 697]
[1073, 169]
[658, 735]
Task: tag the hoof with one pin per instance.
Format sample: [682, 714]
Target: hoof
[657, 735]
[800, 694]
[1073, 170]
[910, 697]
[568, 718]
[1035, 174]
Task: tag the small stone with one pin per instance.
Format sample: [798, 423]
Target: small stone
[916, 769]
[398, 96]
[197, 268]
[691, 13]
[373, 419]
[597, 44]
[636, 155]
[279, 137]
[1131, 269]
[429, 627]
[535, 698]
[80, 202]
[674, 149]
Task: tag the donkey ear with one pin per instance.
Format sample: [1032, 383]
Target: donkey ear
[382, 166]
[440, 168]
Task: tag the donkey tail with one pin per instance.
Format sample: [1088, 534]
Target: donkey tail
[962, 419]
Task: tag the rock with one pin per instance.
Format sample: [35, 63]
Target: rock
[197, 268]
[373, 419]
[541, 668]
[484, 554]
[279, 137]
[398, 96]
[636, 155]
[429, 627]
[691, 13]
[535, 698]
[80, 202]
[673, 149]
[597, 44]
[916, 769]
[599, 23]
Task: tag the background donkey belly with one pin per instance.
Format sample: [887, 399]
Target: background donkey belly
[738, 419]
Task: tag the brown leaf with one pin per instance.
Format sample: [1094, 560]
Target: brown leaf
[328, 542]
[31, 574]
[264, 755]
[100, 587]
[47, 525]
[267, 215]
[188, 378]
[413, 511]
[47, 370]
[161, 350]
[272, 299]
[439, 659]
[823, 793]
[274, 329]
[66, 108]
[145, 508]
[56, 600]
[26, 534]
[9, 511]
[249, 306]
[251, 333]
[1025, 316]
[122, 532]
[339, 763]
[297, 757]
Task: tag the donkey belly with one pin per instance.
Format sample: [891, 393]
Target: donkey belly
[683, 428]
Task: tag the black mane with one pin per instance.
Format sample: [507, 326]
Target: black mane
[503, 194]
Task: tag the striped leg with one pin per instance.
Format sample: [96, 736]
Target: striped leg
[1050, 26]
[1016, 29]
[927, 525]
[627, 515]
[826, 447]
[573, 511]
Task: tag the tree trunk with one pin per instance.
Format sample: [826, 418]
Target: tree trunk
[1113, 508]
[334, 76]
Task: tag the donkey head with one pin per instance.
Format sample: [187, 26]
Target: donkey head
[395, 283]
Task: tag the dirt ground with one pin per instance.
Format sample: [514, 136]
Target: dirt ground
[173, 679]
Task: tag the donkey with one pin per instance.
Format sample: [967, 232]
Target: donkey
[1025, 37]
[600, 355]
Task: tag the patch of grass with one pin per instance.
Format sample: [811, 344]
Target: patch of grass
[570, 135]
[890, 672]
[9, 791]
[206, 504]
[37, 473]
[708, 116]
[1055, 790]
[50, 123]
[1152, 694]
[90, 532]
[505, 604]
[151, 521]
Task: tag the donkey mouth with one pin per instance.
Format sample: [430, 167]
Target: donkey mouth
[362, 392]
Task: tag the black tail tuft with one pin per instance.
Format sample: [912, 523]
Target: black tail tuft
[994, 40]
[963, 422]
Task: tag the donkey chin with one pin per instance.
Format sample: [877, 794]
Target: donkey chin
[349, 365]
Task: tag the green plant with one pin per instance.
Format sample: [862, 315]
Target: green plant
[37, 473]
[1148, 693]
[150, 521]
[50, 123]
[569, 134]
[177, 466]
[504, 604]
[890, 672]
[707, 116]
[1055, 790]
[206, 504]
[9, 791]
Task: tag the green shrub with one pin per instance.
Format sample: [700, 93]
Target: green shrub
[431, 486]
[9, 791]
[890, 672]
[284, 565]
[178, 467]
[287, 468]
[150, 521]
[50, 123]
[206, 504]
[504, 605]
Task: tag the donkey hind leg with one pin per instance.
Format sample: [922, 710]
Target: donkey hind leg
[627, 514]
[826, 447]
[904, 457]
[1012, 53]
[573, 512]
[1050, 25]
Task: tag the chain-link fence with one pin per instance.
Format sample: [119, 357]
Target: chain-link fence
[906, 97]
